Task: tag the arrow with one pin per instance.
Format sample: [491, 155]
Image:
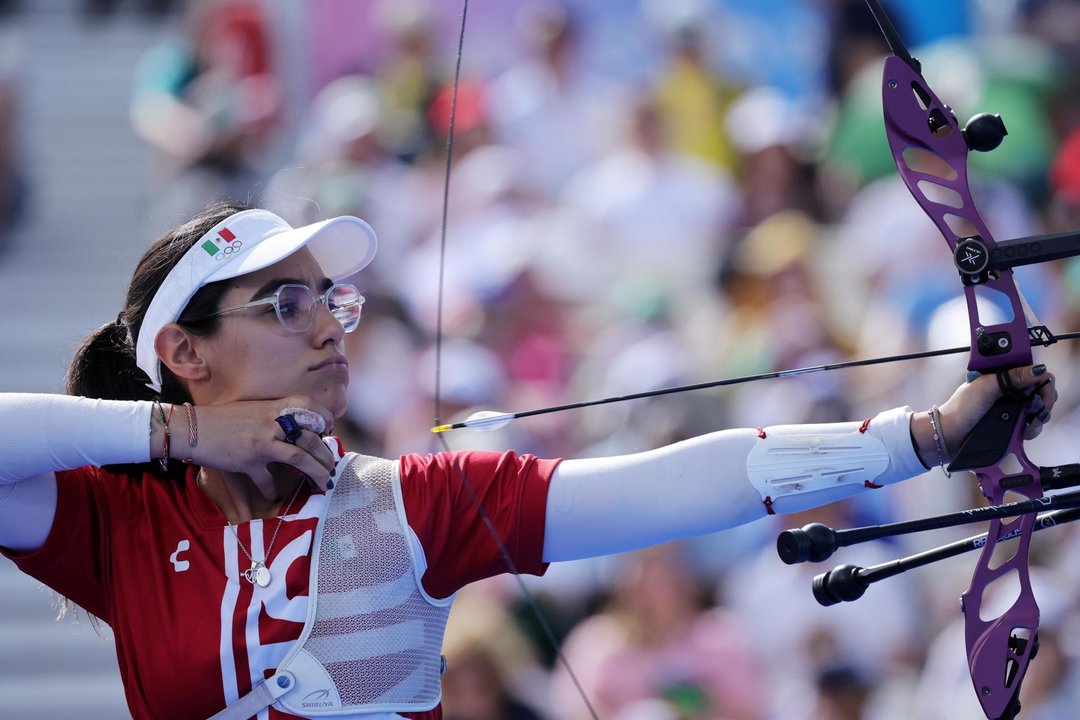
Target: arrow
[490, 420]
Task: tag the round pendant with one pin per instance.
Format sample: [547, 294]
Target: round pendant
[262, 576]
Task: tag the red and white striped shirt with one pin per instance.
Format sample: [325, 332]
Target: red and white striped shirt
[156, 560]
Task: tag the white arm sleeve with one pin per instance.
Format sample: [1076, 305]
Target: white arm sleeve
[40, 434]
[701, 485]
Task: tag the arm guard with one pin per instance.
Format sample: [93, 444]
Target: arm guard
[711, 482]
[829, 462]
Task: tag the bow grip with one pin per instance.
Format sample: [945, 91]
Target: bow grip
[989, 440]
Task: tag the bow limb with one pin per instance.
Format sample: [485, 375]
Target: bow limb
[931, 156]
[930, 150]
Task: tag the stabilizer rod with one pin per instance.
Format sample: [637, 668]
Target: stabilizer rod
[816, 542]
[1034, 249]
[846, 583]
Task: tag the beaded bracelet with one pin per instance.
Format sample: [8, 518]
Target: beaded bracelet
[939, 438]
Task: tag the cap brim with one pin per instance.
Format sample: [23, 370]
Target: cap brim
[342, 246]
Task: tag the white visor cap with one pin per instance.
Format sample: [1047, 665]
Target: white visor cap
[243, 243]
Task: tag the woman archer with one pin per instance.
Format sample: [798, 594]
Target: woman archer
[178, 489]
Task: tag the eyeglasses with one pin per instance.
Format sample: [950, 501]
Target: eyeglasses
[296, 306]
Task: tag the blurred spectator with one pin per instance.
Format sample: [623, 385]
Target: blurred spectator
[800, 642]
[693, 101]
[842, 694]
[771, 134]
[407, 78]
[487, 243]
[655, 215]
[777, 319]
[471, 114]
[1065, 183]
[794, 35]
[207, 104]
[658, 642]
[344, 166]
[488, 662]
[635, 354]
[383, 386]
[547, 106]
[1057, 21]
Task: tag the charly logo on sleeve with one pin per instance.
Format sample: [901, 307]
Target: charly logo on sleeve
[222, 246]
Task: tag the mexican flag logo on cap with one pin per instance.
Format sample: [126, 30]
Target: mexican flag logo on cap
[222, 246]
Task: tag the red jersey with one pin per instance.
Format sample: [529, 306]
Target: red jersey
[157, 561]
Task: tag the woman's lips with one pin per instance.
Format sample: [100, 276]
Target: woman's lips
[338, 364]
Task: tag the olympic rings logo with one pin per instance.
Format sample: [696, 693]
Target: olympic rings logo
[230, 249]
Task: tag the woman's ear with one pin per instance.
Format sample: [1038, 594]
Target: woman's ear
[179, 351]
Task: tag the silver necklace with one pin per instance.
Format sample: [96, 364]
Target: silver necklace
[258, 573]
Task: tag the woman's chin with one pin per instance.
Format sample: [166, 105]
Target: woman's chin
[336, 401]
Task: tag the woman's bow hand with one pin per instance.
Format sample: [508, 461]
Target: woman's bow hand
[971, 401]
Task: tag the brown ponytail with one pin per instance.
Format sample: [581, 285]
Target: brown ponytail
[103, 366]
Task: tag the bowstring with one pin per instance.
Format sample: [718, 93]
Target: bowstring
[534, 606]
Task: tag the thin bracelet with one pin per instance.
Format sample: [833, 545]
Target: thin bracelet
[193, 429]
[193, 425]
[939, 438]
[165, 442]
[154, 404]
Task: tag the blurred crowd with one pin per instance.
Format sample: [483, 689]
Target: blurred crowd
[647, 194]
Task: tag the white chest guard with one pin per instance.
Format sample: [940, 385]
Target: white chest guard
[371, 643]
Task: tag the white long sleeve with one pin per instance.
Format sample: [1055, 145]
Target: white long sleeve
[701, 485]
[42, 433]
